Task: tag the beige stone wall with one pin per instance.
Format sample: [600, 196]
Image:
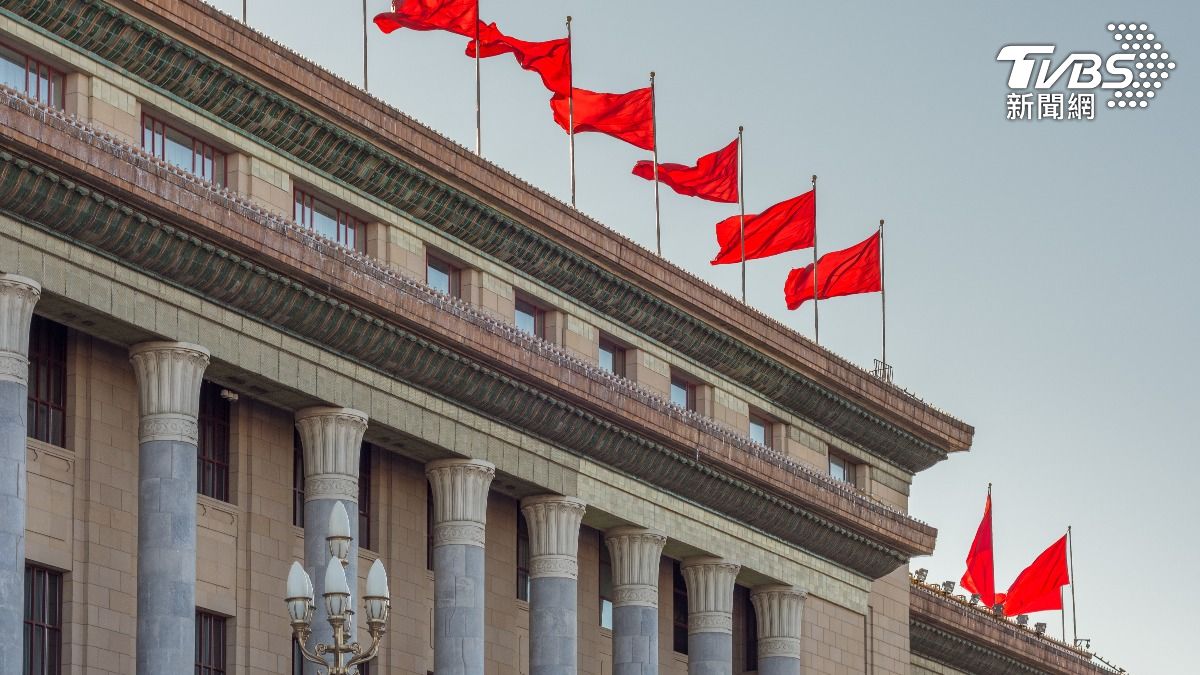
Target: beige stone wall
[889, 640]
[834, 639]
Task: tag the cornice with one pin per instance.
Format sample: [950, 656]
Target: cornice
[194, 78]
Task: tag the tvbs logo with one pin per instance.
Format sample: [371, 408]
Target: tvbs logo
[1133, 76]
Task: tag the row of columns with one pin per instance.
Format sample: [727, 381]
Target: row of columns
[169, 375]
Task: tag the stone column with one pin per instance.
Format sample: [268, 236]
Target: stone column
[710, 614]
[635, 554]
[331, 439]
[460, 492]
[553, 523]
[168, 377]
[780, 614]
[18, 295]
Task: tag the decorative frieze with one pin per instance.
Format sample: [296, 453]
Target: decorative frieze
[710, 582]
[460, 491]
[169, 375]
[18, 295]
[553, 522]
[779, 611]
[331, 438]
[635, 554]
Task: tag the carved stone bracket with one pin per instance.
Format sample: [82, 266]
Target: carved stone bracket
[460, 490]
[635, 553]
[168, 376]
[18, 295]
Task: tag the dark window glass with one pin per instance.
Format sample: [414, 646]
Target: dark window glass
[329, 221]
[522, 557]
[443, 276]
[761, 430]
[212, 471]
[679, 593]
[43, 621]
[183, 150]
[531, 318]
[750, 624]
[606, 586]
[46, 410]
[842, 469]
[34, 78]
[210, 644]
[428, 526]
[683, 393]
[364, 496]
[297, 480]
[612, 357]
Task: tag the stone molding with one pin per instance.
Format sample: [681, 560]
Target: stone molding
[779, 611]
[710, 582]
[553, 522]
[460, 492]
[168, 377]
[332, 439]
[18, 295]
[635, 554]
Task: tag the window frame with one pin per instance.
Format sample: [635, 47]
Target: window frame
[297, 480]
[365, 454]
[619, 355]
[428, 526]
[52, 74]
[47, 374]
[43, 616]
[453, 273]
[200, 148]
[213, 441]
[749, 631]
[303, 202]
[850, 468]
[603, 564]
[768, 426]
[523, 581]
[679, 606]
[211, 658]
[538, 313]
[690, 387]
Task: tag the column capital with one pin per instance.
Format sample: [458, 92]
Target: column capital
[168, 377]
[710, 582]
[18, 295]
[332, 439]
[635, 553]
[553, 522]
[460, 492]
[779, 610]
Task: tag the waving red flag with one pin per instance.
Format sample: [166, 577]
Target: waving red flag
[846, 272]
[787, 226]
[713, 178]
[1039, 587]
[628, 116]
[980, 577]
[456, 16]
[550, 59]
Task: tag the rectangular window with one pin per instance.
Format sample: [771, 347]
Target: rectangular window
[606, 586]
[683, 392]
[750, 635]
[210, 644]
[612, 357]
[43, 621]
[212, 470]
[522, 557]
[46, 410]
[761, 430]
[843, 469]
[428, 526]
[531, 318]
[183, 150]
[36, 79]
[364, 496]
[297, 480]
[329, 221]
[679, 593]
[442, 276]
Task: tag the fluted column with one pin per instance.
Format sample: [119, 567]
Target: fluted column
[168, 377]
[780, 614]
[635, 554]
[18, 295]
[553, 522]
[710, 614]
[332, 440]
[460, 492]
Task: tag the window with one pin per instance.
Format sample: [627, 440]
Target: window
[612, 357]
[761, 430]
[27, 74]
[443, 276]
[679, 593]
[43, 621]
[297, 480]
[183, 150]
[522, 557]
[428, 526]
[750, 630]
[606, 586]
[329, 221]
[364, 496]
[210, 644]
[843, 469]
[683, 392]
[212, 472]
[47, 403]
[531, 318]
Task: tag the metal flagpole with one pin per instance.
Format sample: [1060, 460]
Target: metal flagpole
[742, 209]
[571, 108]
[1061, 595]
[244, 12]
[478, 116]
[882, 297]
[654, 141]
[816, 300]
[364, 45]
[1071, 561]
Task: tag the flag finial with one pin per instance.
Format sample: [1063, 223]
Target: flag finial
[814, 180]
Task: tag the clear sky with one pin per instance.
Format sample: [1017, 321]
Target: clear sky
[1041, 275]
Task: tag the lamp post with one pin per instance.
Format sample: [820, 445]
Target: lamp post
[341, 657]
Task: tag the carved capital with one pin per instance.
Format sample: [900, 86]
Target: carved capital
[168, 377]
[635, 554]
[18, 295]
[460, 491]
[331, 439]
[779, 611]
[710, 584]
[553, 522]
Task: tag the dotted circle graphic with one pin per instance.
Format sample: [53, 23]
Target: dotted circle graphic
[1149, 62]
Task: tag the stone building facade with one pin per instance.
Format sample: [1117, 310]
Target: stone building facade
[236, 291]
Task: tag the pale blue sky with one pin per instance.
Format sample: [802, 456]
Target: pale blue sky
[1040, 275]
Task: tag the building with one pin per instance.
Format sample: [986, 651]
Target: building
[237, 290]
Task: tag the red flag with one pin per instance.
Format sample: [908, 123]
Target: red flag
[550, 59]
[713, 178]
[1039, 587]
[456, 16]
[787, 226]
[980, 577]
[628, 116]
[846, 272]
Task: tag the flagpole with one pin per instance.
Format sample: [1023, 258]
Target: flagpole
[571, 108]
[1071, 561]
[654, 141]
[816, 316]
[882, 298]
[365, 45]
[742, 210]
[244, 12]
[478, 115]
